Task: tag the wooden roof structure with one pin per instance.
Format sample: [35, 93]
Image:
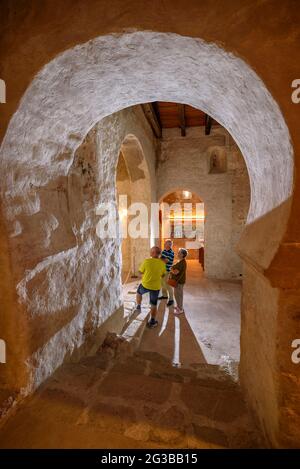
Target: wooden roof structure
[164, 115]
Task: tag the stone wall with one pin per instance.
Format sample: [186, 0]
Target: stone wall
[68, 280]
[258, 345]
[180, 69]
[184, 163]
[133, 182]
[141, 190]
[124, 188]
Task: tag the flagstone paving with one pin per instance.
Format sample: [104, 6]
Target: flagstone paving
[112, 400]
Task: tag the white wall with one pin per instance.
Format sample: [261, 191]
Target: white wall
[75, 284]
[184, 164]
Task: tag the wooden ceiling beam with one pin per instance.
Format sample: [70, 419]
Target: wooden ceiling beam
[208, 123]
[181, 111]
[153, 118]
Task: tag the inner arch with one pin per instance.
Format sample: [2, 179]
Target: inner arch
[93, 80]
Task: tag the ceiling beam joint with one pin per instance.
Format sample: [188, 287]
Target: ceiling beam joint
[152, 118]
[181, 111]
[208, 123]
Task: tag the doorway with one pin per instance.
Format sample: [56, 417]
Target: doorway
[182, 220]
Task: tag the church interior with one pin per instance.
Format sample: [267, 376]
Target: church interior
[126, 125]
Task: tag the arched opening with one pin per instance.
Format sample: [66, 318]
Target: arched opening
[133, 187]
[38, 152]
[213, 285]
[182, 221]
[124, 189]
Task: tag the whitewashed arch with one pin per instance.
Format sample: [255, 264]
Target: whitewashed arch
[86, 83]
[138, 191]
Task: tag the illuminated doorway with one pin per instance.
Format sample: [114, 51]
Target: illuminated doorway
[182, 220]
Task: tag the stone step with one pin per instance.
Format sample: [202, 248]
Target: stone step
[155, 365]
[129, 296]
[135, 329]
[128, 398]
[140, 397]
[128, 341]
[161, 367]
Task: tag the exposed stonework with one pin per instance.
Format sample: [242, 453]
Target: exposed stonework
[112, 63]
[184, 163]
[133, 180]
[124, 188]
[85, 86]
[71, 283]
[117, 401]
[258, 322]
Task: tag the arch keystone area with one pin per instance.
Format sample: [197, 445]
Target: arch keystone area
[84, 84]
[65, 100]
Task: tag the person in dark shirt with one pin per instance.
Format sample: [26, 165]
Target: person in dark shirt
[178, 273]
[167, 290]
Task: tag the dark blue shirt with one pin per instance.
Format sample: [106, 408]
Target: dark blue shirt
[170, 256]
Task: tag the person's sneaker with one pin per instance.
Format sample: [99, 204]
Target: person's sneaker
[152, 323]
[170, 303]
[138, 308]
[162, 298]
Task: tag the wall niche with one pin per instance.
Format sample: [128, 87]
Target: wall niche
[217, 160]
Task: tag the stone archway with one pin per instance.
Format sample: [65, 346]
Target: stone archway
[222, 85]
[226, 193]
[123, 186]
[133, 182]
[92, 81]
[209, 291]
[174, 200]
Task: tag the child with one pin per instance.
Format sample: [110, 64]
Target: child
[178, 273]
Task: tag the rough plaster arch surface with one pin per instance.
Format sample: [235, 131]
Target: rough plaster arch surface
[65, 100]
[106, 74]
[138, 189]
[74, 285]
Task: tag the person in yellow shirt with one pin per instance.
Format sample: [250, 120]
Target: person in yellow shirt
[152, 270]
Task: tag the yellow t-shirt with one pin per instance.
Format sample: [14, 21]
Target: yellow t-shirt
[153, 270]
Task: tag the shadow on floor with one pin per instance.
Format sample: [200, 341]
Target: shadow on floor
[138, 401]
[173, 338]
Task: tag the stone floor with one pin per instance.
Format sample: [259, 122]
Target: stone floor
[213, 310]
[162, 395]
[209, 332]
[137, 401]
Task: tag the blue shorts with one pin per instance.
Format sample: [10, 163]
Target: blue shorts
[153, 294]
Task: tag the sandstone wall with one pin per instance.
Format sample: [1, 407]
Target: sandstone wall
[133, 182]
[32, 35]
[124, 188]
[67, 279]
[258, 346]
[141, 191]
[184, 163]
